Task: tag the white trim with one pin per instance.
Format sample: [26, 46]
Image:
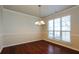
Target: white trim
[62, 11]
[4, 9]
[1, 49]
[77, 35]
[62, 45]
[20, 43]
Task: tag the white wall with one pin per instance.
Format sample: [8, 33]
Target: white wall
[1, 32]
[19, 28]
[74, 12]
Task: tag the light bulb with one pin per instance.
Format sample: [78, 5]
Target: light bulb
[42, 22]
[37, 23]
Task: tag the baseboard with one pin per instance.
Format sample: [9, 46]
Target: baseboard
[1, 49]
[20, 43]
[62, 45]
[38, 40]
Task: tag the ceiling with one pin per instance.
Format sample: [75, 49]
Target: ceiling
[46, 10]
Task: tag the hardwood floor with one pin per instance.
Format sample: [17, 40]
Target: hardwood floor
[38, 47]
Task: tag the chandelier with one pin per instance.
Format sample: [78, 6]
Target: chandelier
[39, 22]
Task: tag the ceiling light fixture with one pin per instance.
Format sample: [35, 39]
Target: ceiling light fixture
[40, 22]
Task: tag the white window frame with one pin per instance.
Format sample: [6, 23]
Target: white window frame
[60, 30]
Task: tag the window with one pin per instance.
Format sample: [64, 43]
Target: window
[57, 28]
[66, 36]
[66, 23]
[66, 28]
[50, 29]
[60, 28]
[57, 24]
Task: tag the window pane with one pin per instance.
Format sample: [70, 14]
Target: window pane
[57, 24]
[57, 35]
[66, 23]
[50, 25]
[50, 35]
[66, 36]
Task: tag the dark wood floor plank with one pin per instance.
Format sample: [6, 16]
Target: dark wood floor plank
[38, 47]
